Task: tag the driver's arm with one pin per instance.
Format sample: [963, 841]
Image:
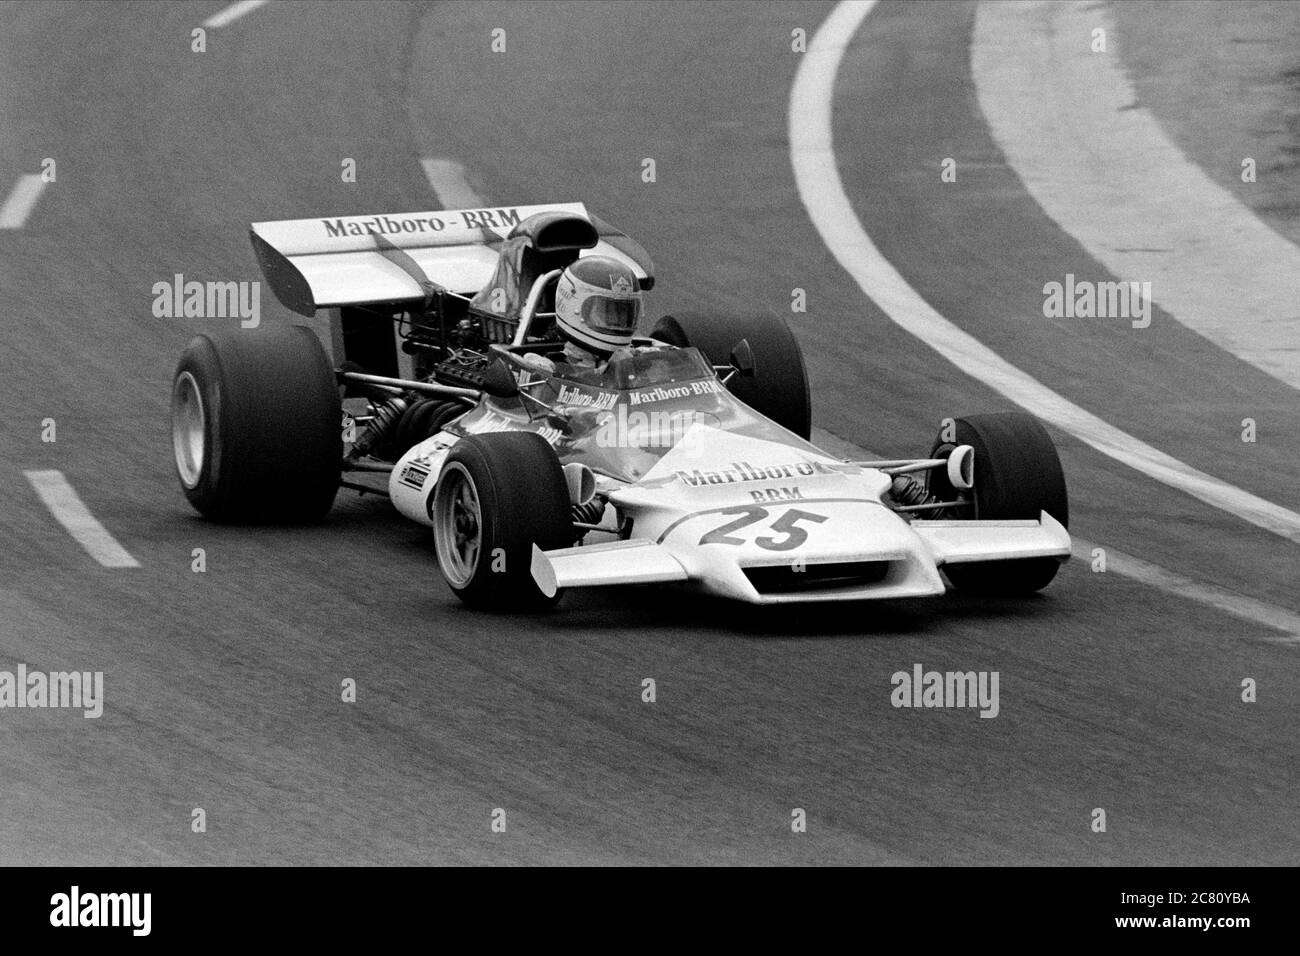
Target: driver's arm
[539, 362]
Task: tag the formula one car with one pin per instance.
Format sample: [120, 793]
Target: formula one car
[683, 458]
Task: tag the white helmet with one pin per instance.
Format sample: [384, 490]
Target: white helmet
[597, 304]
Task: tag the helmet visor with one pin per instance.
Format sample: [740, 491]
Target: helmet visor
[612, 314]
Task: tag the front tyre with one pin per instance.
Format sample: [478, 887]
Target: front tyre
[256, 425]
[1017, 476]
[497, 496]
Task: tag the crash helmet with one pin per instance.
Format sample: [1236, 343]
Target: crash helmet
[597, 304]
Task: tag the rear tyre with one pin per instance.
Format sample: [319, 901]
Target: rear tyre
[778, 388]
[1017, 475]
[497, 496]
[256, 426]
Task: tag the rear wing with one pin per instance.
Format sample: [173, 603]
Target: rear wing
[400, 259]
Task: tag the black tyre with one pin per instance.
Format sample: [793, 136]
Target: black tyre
[256, 425]
[497, 496]
[423, 420]
[779, 385]
[1017, 475]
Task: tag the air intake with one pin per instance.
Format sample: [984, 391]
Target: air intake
[785, 579]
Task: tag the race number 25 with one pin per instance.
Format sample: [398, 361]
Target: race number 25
[788, 535]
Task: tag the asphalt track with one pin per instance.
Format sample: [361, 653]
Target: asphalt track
[222, 688]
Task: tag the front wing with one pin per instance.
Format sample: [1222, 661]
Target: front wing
[893, 569]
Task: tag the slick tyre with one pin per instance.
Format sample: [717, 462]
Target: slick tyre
[1017, 475]
[256, 426]
[497, 496]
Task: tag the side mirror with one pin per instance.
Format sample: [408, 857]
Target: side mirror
[742, 359]
[499, 382]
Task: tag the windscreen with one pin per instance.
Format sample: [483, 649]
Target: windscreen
[621, 420]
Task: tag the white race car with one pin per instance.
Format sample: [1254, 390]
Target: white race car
[686, 458]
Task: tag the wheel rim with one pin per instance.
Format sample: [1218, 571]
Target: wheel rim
[457, 525]
[189, 431]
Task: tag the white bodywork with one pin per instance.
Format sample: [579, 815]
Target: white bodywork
[762, 504]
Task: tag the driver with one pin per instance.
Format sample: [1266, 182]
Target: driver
[597, 306]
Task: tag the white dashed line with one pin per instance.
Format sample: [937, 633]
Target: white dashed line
[450, 184]
[21, 201]
[62, 500]
[453, 191]
[822, 192]
[232, 13]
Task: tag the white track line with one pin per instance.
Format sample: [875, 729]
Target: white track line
[1238, 605]
[62, 500]
[450, 184]
[822, 192]
[451, 187]
[232, 13]
[21, 202]
[1126, 565]
[1069, 123]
